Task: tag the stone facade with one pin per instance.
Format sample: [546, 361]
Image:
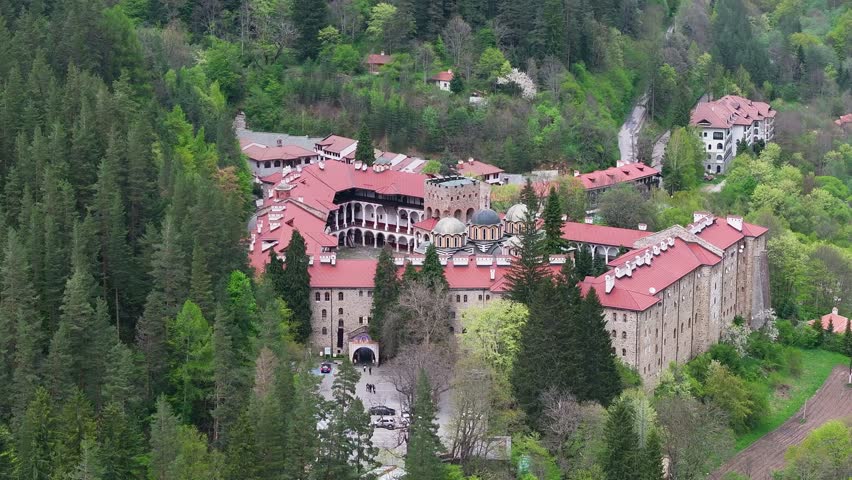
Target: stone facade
[456, 197]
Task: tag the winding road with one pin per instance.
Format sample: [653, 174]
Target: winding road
[832, 401]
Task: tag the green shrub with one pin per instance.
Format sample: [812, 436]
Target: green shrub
[793, 361]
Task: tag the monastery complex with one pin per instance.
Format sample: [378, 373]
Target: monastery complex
[667, 295]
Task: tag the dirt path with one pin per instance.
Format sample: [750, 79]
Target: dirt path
[833, 400]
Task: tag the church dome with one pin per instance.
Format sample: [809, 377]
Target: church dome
[485, 217]
[516, 213]
[449, 226]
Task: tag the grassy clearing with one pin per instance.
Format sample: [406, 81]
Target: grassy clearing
[790, 393]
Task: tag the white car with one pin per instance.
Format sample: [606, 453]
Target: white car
[383, 422]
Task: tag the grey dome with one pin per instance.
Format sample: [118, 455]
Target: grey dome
[485, 217]
[516, 213]
[449, 226]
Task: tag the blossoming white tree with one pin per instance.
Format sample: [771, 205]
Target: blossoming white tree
[522, 80]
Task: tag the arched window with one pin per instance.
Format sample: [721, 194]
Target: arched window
[267, 165]
[277, 163]
[340, 296]
[327, 296]
[624, 335]
[340, 323]
[324, 314]
[624, 317]
[317, 296]
[614, 317]
[324, 331]
[458, 298]
[340, 311]
[623, 352]
[719, 146]
[613, 334]
[465, 299]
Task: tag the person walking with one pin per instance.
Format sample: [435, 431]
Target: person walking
[365, 369]
[371, 370]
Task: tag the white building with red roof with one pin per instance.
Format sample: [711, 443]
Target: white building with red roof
[833, 321]
[265, 160]
[480, 170]
[672, 295]
[442, 80]
[643, 177]
[375, 62]
[724, 122]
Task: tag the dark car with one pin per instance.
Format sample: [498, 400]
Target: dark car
[382, 410]
[325, 368]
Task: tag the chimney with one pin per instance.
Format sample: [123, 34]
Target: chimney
[590, 220]
[383, 52]
[469, 159]
[834, 310]
[698, 216]
[576, 173]
[279, 142]
[610, 282]
[334, 259]
[493, 273]
[460, 162]
[643, 227]
[450, 70]
[619, 163]
[736, 222]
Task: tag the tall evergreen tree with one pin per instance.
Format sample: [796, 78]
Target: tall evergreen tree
[242, 307]
[121, 378]
[311, 15]
[602, 382]
[241, 458]
[302, 439]
[297, 283]
[651, 462]
[200, 284]
[74, 424]
[847, 343]
[409, 274]
[528, 269]
[364, 151]
[345, 445]
[553, 222]
[421, 459]
[163, 441]
[584, 263]
[385, 291]
[621, 456]
[36, 439]
[229, 374]
[529, 197]
[432, 272]
[274, 273]
[122, 447]
[59, 374]
[191, 372]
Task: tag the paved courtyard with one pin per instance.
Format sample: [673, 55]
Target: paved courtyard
[391, 443]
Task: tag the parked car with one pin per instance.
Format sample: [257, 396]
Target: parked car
[384, 422]
[325, 367]
[382, 410]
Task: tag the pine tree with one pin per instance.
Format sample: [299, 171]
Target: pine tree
[529, 197]
[385, 291]
[121, 377]
[297, 283]
[121, 445]
[820, 332]
[89, 467]
[274, 273]
[312, 17]
[599, 370]
[345, 445]
[59, 370]
[553, 241]
[243, 310]
[302, 440]
[74, 424]
[432, 272]
[598, 265]
[191, 372]
[163, 441]
[528, 269]
[620, 458]
[241, 458]
[364, 151]
[200, 284]
[651, 462]
[409, 274]
[141, 170]
[847, 343]
[230, 379]
[584, 263]
[36, 438]
[421, 459]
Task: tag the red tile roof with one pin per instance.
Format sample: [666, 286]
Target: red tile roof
[378, 59]
[294, 216]
[427, 224]
[260, 153]
[722, 235]
[601, 235]
[477, 168]
[446, 76]
[628, 172]
[844, 120]
[838, 321]
[335, 143]
[638, 291]
[730, 110]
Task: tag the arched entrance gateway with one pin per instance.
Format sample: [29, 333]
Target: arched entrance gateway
[363, 350]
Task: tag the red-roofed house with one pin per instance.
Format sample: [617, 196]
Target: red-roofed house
[833, 321]
[375, 62]
[844, 121]
[724, 122]
[265, 160]
[335, 147]
[480, 170]
[596, 183]
[442, 80]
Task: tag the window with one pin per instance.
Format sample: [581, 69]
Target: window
[624, 335]
[327, 296]
[614, 317]
[368, 319]
[340, 323]
[719, 146]
[324, 331]
[340, 296]
[361, 320]
[369, 293]
[623, 352]
[340, 311]
[465, 299]
[705, 134]
[317, 296]
[613, 334]
[324, 313]
[487, 297]
[267, 165]
[674, 333]
[480, 297]
[277, 163]
[613, 350]
[453, 315]
[718, 136]
[452, 329]
[360, 293]
[624, 317]
[458, 298]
